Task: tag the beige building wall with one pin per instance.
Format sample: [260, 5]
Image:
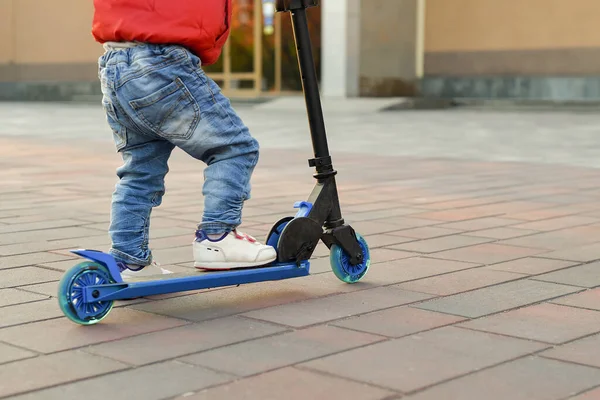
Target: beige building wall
[522, 37]
[388, 47]
[47, 41]
[6, 31]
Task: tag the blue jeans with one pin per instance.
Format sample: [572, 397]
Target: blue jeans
[156, 98]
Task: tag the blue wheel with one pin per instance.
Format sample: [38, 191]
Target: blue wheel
[341, 266]
[70, 293]
[273, 236]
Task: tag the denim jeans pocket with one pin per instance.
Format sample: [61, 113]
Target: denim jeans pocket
[170, 111]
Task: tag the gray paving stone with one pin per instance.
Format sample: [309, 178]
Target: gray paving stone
[15, 277]
[530, 378]
[10, 353]
[487, 253]
[230, 301]
[440, 244]
[411, 268]
[293, 384]
[260, 355]
[590, 252]
[589, 299]
[61, 334]
[497, 298]
[587, 275]
[531, 265]
[29, 312]
[316, 311]
[459, 281]
[543, 322]
[583, 351]
[22, 260]
[398, 321]
[9, 297]
[153, 382]
[593, 394]
[172, 343]
[417, 361]
[52, 369]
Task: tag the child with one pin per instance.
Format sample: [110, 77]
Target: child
[156, 98]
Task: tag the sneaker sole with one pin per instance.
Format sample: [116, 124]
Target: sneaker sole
[231, 266]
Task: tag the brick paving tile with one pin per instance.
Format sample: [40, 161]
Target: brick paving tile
[590, 252]
[456, 215]
[10, 353]
[587, 299]
[583, 351]
[548, 323]
[582, 275]
[502, 233]
[292, 384]
[426, 232]
[376, 241]
[546, 213]
[530, 378]
[531, 265]
[152, 382]
[260, 355]
[398, 321]
[417, 361]
[9, 297]
[55, 233]
[588, 395]
[29, 312]
[28, 248]
[384, 255]
[480, 224]
[487, 253]
[439, 244]
[26, 276]
[389, 225]
[172, 343]
[23, 260]
[315, 311]
[412, 268]
[497, 298]
[381, 214]
[65, 335]
[460, 281]
[39, 225]
[61, 266]
[48, 370]
[556, 240]
[231, 301]
[554, 224]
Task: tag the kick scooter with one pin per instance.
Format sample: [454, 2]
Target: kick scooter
[87, 291]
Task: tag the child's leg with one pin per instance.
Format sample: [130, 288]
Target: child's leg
[141, 182]
[170, 97]
[140, 188]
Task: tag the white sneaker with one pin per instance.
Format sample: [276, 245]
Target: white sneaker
[132, 271]
[231, 251]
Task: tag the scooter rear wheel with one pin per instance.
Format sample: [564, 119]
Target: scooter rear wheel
[341, 266]
[70, 293]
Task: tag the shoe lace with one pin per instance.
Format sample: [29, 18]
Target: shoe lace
[242, 236]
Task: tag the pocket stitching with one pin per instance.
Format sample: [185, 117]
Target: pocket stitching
[158, 129]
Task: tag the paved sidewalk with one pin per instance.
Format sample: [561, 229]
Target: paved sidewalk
[485, 280]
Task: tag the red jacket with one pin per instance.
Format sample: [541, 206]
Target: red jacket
[200, 25]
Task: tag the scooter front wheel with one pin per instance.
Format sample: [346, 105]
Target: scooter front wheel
[71, 291]
[341, 266]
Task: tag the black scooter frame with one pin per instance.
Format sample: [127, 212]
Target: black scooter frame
[324, 222]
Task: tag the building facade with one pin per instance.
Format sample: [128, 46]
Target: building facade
[534, 49]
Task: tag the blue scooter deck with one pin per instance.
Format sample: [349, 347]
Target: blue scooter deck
[194, 280]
